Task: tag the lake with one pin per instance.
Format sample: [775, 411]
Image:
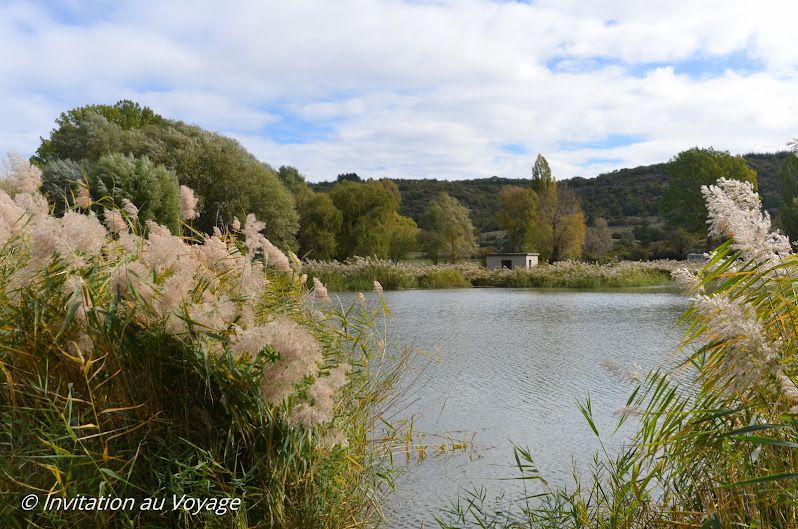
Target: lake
[511, 365]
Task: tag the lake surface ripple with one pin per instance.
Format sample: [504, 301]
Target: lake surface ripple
[512, 363]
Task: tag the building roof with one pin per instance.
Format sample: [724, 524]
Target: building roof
[510, 254]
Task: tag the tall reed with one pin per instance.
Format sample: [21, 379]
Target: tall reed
[137, 364]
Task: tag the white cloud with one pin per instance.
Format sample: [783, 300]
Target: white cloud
[418, 89]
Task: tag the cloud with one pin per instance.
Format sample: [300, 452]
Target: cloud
[417, 89]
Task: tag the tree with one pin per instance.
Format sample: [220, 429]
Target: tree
[598, 239]
[59, 182]
[682, 203]
[319, 219]
[367, 209]
[152, 188]
[541, 175]
[125, 114]
[680, 242]
[643, 233]
[518, 206]
[402, 237]
[447, 230]
[228, 181]
[788, 214]
[557, 231]
[319, 226]
[349, 177]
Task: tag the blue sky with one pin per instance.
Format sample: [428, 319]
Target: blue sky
[417, 89]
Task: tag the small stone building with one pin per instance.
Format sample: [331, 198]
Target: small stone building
[511, 260]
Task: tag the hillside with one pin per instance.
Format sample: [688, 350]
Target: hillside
[623, 197]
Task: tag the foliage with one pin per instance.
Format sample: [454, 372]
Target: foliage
[447, 231]
[682, 203]
[60, 182]
[151, 188]
[84, 123]
[542, 180]
[367, 209]
[518, 206]
[598, 239]
[788, 214]
[402, 237]
[558, 230]
[229, 181]
[140, 366]
[319, 220]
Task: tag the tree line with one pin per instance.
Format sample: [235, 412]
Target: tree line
[125, 151]
[128, 152]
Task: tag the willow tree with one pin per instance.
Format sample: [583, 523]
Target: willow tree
[517, 207]
[447, 231]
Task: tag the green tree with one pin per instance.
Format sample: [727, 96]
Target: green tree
[518, 206]
[558, 231]
[402, 237]
[84, 140]
[541, 175]
[227, 180]
[447, 231]
[125, 115]
[643, 233]
[681, 242]
[367, 209]
[788, 215]
[59, 182]
[152, 188]
[319, 220]
[682, 203]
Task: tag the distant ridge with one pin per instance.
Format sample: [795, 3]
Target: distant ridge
[624, 197]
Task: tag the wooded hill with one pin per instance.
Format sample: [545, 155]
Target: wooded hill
[624, 197]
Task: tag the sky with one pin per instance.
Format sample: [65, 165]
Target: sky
[445, 89]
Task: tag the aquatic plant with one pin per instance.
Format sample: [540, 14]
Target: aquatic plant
[358, 273]
[139, 364]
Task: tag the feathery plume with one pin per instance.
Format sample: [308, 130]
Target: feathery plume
[130, 209]
[188, 203]
[83, 200]
[114, 221]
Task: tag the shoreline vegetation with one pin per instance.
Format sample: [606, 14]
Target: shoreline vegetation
[139, 366]
[359, 274]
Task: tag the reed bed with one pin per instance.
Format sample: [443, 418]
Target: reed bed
[359, 273]
[717, 443]
[138, 365]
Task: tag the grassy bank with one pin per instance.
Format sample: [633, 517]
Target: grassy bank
[140, 367]
[360, 274]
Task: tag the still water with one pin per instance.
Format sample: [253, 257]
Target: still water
[511, 364]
